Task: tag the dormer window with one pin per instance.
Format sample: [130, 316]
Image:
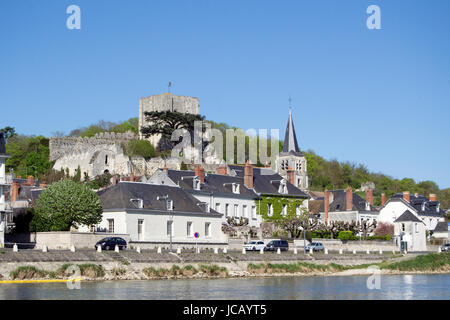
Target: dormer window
[139, 203]
[197, 183]
[204, 206]
[437, 207]
[367, 206]
[169, 204]
[423, 206]
[283, 187]
[235, 187]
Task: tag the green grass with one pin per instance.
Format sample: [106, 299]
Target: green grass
[28, 272]
[429, 262]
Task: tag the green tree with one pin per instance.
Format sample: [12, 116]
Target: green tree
[66, 204]
[166, 122]
[8, 132]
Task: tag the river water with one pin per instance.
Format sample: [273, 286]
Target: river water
[393, 287]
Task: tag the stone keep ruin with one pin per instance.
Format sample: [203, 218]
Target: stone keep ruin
[102, 153]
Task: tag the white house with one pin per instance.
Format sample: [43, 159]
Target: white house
[410, 232]
[344, 205]
[225, 194]
[427, 210]
[156, 215]
[441, 231]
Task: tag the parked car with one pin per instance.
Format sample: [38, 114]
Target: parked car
[111, 242]
[445, 247]
[254, 245]
[273, 245]
[316, 246]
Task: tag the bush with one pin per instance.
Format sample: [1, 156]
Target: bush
[140, 148]
[346, 235]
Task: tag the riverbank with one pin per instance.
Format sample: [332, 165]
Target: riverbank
[226, 266]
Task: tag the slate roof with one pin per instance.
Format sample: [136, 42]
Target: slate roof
[290, 145]
[339, 203]
[441, 227]
[119, 195]
[266, 182]
[2, 144]
[214, 183]
[416, 204]
[408, 216]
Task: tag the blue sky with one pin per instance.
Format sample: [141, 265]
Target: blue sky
[377, 97]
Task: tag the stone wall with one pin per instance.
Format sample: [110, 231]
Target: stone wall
[335, 245]
[63, 240]
[165, 102]
[60, 147]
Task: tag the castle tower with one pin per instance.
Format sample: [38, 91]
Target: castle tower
[292, 159]
[165, 102]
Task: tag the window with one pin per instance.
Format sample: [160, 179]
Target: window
[253, 212]
[140, 229]
[227, 209]
[111, 225]
[169, 205]
[284, 210]
[207, 229]
[106, 159]
[170, 228]
[197, 183]
[218, 207]
[236, 212]
[297, 210]
[244, 211]
[269, 210]
[416, 227]
[403, 227]
[235, 187]
[189, 229]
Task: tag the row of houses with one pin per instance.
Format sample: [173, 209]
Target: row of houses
[174, 205]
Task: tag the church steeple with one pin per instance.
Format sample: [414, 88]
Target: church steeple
[290, 144]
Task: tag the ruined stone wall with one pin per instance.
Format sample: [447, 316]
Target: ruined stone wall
[60, 147]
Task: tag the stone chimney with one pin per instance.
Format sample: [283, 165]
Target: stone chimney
[30, 181]
[248, 175]
[406, 196]
[131, 177]
[433, 197]
[326, 204]
[349, 198]
[200, 172]
[291, 175]
[383, 199]
[14, 191]
[369, 196]
[222, 169]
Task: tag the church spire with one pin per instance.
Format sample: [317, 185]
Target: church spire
[290, 139]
